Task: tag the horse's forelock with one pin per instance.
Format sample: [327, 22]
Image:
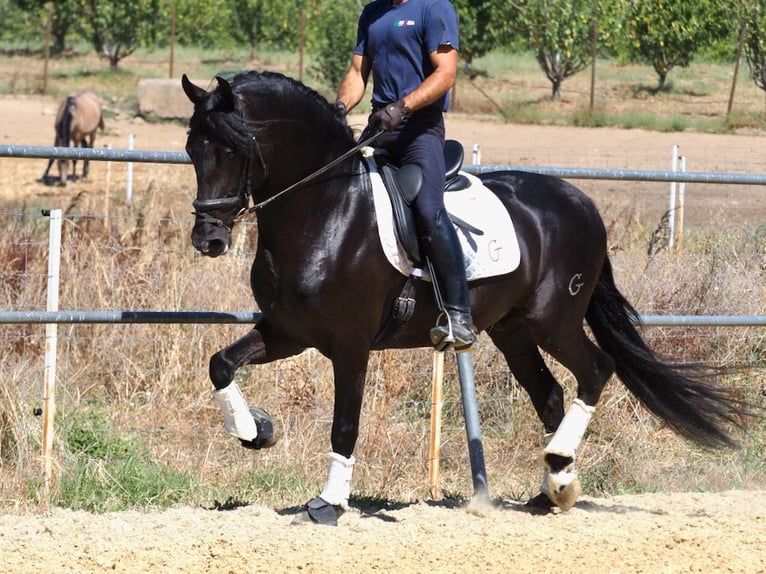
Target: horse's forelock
[214, 118]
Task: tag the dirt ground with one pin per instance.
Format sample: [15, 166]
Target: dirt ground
[663, 533]
[29, 120]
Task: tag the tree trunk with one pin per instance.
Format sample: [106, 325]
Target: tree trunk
[556, 92]
[59, 42]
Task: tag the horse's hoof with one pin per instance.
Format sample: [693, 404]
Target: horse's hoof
[565, 495]
[541, 503]
[560, 481]
[323, 512]
[266, 437]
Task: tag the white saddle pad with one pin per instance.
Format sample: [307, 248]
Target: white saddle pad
[494, 252]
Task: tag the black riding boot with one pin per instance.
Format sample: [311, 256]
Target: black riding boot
[454, 326]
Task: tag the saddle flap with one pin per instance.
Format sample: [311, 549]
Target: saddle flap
[397, 184]
[409, 178]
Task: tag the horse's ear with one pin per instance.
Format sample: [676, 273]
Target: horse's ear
[194, 93]
[224, 88]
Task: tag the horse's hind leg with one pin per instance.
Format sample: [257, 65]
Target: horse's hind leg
[523, 356]
[44, 178]
[591, 367]
[521, 353]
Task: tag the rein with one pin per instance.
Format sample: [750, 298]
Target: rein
[317, 173]
[202, 206]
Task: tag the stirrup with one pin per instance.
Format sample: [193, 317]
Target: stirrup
[457, 331]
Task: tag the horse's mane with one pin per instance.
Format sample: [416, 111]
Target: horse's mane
[306, 104]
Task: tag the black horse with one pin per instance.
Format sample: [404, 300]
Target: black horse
[321, 280]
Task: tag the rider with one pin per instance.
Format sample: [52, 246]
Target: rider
[411, 48]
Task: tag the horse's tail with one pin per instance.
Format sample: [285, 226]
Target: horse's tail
[64, 127]
[694, 407]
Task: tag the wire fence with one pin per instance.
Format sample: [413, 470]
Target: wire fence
[135, 267]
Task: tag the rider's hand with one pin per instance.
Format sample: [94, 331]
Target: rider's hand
[390, 117]
[341, 107]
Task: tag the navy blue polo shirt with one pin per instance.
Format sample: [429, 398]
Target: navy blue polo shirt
[397, 41]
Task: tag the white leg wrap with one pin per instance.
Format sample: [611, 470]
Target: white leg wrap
[338, 487]
[237, 419]
[569, 434]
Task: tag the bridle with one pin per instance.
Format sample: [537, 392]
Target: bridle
[202, 207]
[242, 199]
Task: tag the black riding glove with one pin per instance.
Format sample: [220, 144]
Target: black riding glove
[390, 117]
[341, 107]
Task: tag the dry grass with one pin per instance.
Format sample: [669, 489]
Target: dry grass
[151, 381]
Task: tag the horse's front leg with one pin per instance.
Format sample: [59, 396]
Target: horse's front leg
[349, 373]
[251, 425]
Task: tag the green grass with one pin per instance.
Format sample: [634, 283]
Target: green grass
[102, 471]
[105, 472]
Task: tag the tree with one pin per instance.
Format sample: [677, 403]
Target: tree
[335, 28]
[559, 34]
[21, 24]
[202, 23]
[484, 25]
[667, 33]
[117, 28]
[65, 14]
[755, 41]
[267, 22]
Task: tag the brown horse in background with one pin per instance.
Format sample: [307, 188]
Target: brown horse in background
[77, 119]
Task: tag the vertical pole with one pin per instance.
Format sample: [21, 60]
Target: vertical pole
[172, 37]
[681, 200]
[738, 59]
[475, 155]
[434, 450]
[593, 51]
[48, 26]
[107, 193]
[472, 427]
[301, 42]
[51, 344]
[129, 187]
[672, 202]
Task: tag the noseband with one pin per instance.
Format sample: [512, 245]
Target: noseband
[241, 201]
